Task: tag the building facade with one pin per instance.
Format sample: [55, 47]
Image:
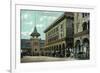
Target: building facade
[25, 47]
[59, 36]
[81, 35]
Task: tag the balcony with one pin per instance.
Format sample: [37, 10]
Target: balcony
[81, 33]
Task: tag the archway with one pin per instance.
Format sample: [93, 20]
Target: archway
[77, 48]
[63, 46]
[86, 48]
[59, 53]
[63, 50]
[57, 50]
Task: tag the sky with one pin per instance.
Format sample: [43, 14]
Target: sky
[40, 19]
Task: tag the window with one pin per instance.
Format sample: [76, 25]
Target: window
[82, 14]
[85, 14]
[84, 26]
[88, 24]
[61, 26]
[56, 29]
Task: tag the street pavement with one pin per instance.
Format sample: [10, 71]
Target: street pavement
[27, 59]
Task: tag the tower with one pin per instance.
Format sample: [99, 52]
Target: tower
[35, 44]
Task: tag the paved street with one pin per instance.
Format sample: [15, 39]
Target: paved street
[27, 59]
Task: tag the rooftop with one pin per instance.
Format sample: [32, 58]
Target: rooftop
[65, 15]
[35, 33]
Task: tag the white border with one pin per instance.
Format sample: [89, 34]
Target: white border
[16, 66]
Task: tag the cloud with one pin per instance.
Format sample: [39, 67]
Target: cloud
[52, 18]
[39, 25]
[29, 23]
[24, 33]
[43, 18]
[30, 31]
[25, 16]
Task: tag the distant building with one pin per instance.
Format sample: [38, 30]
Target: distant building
[81, 35]
[25, 46]
[33, 46]
[59, 35]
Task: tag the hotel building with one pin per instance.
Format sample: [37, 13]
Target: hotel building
[59, 36]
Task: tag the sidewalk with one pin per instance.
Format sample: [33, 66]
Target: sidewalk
[27, 59]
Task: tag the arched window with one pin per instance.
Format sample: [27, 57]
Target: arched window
[88, 24]
[63, 46]
[85, 44]
[85, 26]
[77, 46]
[86, 48]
